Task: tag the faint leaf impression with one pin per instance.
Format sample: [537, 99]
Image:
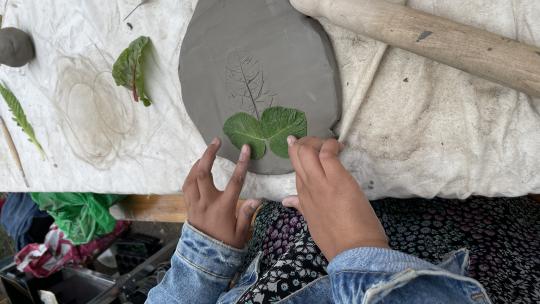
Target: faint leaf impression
[246, 83]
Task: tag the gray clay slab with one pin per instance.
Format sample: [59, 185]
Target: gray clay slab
[237, 53]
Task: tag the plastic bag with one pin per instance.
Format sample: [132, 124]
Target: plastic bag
[81, 216]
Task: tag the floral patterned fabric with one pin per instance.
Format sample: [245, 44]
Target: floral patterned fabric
[290, 259]
[502, 235]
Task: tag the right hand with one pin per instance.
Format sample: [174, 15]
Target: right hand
[212, 211]
[338, 215]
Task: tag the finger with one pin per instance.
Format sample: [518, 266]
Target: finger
[308, 155]
[235, 184]
[190, 188]
[293, 154]
[311, 141]
[204, 169]
[304, 196]
[191, 177]
[292, 201]
[300, 188]
[297, 150]
[245, 215]
[329, 157]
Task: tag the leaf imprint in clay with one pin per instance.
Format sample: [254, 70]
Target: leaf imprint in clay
[128, 69]
[246, 83]
[275, 125]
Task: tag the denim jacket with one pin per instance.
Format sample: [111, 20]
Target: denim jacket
[202, 269]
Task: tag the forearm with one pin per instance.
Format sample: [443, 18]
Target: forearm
[201, 269]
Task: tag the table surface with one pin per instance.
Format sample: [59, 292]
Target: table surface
[412, 127]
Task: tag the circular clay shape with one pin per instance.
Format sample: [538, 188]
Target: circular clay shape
[249, 55]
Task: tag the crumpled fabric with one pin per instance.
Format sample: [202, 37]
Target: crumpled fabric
[412, 127]
[81, 216]
[18, 215]
[42, 260]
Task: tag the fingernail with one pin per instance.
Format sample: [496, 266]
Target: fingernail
[291, 140]
[244, 153]
[215, 141]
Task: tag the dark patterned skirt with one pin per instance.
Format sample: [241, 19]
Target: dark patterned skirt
[502, 235]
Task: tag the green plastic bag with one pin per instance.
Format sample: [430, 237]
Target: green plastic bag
[81, 216]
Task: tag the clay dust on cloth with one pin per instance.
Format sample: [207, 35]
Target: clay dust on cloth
[412, 127]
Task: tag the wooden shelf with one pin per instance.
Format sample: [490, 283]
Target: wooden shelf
[151, 208]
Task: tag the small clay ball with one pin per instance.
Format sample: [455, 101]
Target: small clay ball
[16, 47]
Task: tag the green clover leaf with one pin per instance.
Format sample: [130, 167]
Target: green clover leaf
[275, 125]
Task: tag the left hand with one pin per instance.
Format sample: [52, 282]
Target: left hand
[213, 211]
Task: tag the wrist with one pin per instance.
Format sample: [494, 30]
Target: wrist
[208, 254]
[353, 244]
[369, 259]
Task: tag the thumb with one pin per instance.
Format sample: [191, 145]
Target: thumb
[292, 202]
[245, 215]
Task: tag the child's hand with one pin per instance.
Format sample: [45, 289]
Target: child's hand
[338, 215]
[212, 211]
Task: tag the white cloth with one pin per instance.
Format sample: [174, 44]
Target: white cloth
[412, 127]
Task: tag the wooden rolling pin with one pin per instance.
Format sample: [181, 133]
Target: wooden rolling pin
[490, 56]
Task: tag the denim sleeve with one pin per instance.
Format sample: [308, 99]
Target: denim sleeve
[201, 269]
[376, 275]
